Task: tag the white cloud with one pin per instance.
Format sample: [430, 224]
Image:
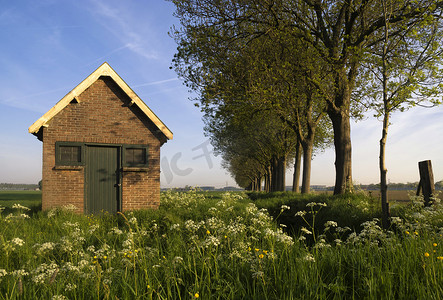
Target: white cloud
[156, 82]
[122, 25]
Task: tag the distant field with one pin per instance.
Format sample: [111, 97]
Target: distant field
[27, 198]
[393, 195]
[33, 199]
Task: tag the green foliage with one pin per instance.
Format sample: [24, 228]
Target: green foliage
[223, 247]
[301, 59]
[349, 210]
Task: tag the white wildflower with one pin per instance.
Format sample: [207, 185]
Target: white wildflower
[70, 267]
[44, 272]
[322, 244]
[19, 273]
[309, 257]
[212, 210]
[300, 213]
[191, 226]
[115, 230]
[352, 238]
[19, 206]
[331, 224]
[251, 208]
[83, 263]
[70, 287]
[174, 227]
[211, 241]
[284, 207]
[58, 297]
[3, 273]
[235, 254]
[69, 207]
[52, 212]
[258, 274]
[93, 228]
[48, 246]
[215, 223]
[154, 227]
[229, 209]
[305, 230]
[18, 241]
[345, 229]
[312, 204]
[11, 217]
[302, 238]
[284, 239]
[177, 260]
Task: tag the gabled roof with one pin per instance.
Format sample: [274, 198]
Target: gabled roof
[104, 70]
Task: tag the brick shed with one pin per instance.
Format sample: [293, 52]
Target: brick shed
[101, 148]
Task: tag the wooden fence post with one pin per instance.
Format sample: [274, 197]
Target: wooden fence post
[426, 183]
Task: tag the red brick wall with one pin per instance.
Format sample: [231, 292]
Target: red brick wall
[103, 115]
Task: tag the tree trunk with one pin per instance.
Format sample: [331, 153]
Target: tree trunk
[308, 145]
[339, 113]
[268, 179]
[281, 185]
[274, 175]
[297, 163]
[343, 152]
[278, 168]
[384, 134]
[383, 173]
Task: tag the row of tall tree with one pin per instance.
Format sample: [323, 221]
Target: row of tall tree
[277, 78]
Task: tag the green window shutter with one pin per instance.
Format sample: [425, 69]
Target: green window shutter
[135, 156]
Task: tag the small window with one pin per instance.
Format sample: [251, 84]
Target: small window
[135, 156]
[68, 154]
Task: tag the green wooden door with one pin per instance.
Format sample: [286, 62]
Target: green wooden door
[102, 179]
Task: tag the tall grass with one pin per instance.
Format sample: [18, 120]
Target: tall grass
[224, 247]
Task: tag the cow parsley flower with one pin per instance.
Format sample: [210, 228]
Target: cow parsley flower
[284, 207]
[309, 258]
[18, 241]
[19, 273]
[19, 206]
[331, 224]
[305, 230]
[70, 286]
[300, 213]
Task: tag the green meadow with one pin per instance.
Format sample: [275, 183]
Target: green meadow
[223, 246]
[30, 199]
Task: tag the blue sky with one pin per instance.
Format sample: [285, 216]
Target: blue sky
[50, 46]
